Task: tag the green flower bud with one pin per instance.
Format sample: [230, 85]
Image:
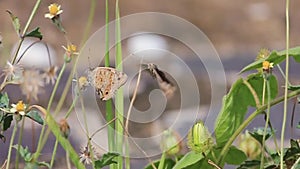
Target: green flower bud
[199, 138]
[170, 143]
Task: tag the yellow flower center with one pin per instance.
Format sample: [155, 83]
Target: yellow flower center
[266, 65]
[72, 48]
[53, 9]
[20, 106]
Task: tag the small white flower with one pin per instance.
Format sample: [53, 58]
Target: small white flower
[19, 108]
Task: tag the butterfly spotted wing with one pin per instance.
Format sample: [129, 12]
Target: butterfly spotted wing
[106, 81]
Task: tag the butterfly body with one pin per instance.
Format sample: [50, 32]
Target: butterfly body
[106, 81]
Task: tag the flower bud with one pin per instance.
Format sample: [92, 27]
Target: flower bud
[170, 142]
[249, 146]
[199, 138]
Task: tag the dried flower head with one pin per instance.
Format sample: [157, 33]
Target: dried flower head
[64, 127]
[18, 108]
[54, 11]
[71, 50]
[86, 154]
[50, 75]
[262, 54]
[13, 72]
[83, 82]
[31, 83]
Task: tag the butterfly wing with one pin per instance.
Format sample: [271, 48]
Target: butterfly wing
[106, 81]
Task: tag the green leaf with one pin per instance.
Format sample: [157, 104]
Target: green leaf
[168, 164]
[4, 100]
[24, 153]
[232, 114]
[259, 132]
[249, 164]
[2, 137]
[275, 57]
[236, 103]
[35, 116]
[7, 121]
[189, 159]
[235, 156]
[16, 22]
[294, 87]
[106, 160]
[43, 163]
[35, 33]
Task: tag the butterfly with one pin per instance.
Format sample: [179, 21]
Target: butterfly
[163, 82]
[106, 80]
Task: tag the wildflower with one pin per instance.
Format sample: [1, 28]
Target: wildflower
[199, 138]
[64, 128]
[249, 146]
[31, 83]
[170, 142]
[71, 50]
[54, 11]
[19, 108]
[267, 66]
[86, 154]
[13, 72]
[83, 82]
[50, 75]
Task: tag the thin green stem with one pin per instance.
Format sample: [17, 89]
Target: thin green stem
[11, 143]
[33, 12]
[266, 83]
[41, 143]
[248, 120]
[71, 107]
[20, 141]
[286, 87]
[56, 86]
[53, 153]
[162, 160]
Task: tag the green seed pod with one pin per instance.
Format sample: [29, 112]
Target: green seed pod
[170, 143]
[199, 138]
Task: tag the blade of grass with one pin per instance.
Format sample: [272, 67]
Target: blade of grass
[119, 108]
[108, 104]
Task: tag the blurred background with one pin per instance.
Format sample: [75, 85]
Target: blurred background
[237, 29]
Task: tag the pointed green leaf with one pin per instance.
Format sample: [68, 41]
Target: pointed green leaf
[16, 22]
[43, 163]
[236, 103]
[294, 87]
[2, 137]
[275, 57]
[258, 133]
[232, 114]
[24, 152]
[35, 116]
[35, 33]
[106, 160]
[4, 100]
[189, 159]
[7, 122]
[235, 156]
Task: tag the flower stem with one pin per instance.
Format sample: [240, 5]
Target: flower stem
[35, 8]
[20, 142]
[53, 153]
[11, 143]
[286, 86]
